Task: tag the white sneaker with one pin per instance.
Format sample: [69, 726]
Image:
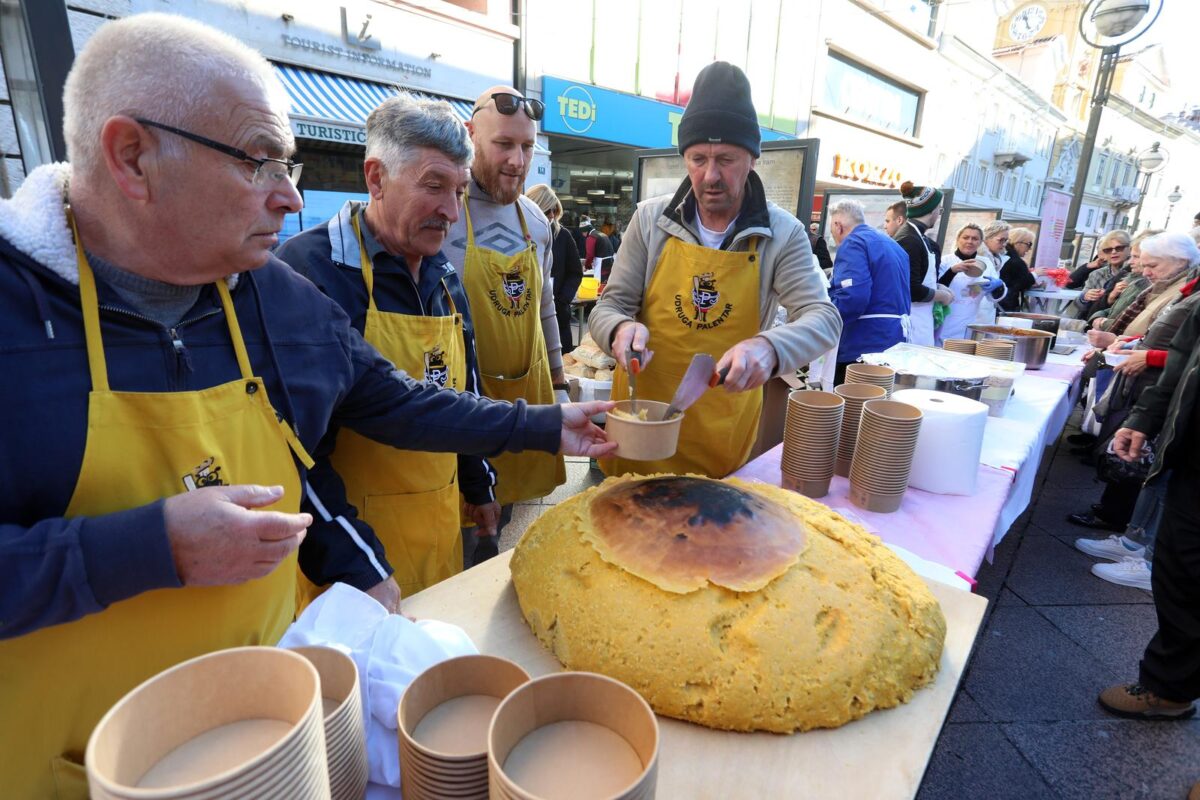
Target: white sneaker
[1114, 548]
[1133, 572]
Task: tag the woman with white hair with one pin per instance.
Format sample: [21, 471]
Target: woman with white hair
[992, 256]
[1017, 269]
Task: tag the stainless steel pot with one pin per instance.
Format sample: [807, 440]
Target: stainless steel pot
[1031, 347]
[1041, 322]
[966, 387]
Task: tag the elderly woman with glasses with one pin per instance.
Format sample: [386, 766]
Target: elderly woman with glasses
[1126, 289]
[1098, 277]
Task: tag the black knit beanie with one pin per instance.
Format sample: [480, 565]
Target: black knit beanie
[720, 110]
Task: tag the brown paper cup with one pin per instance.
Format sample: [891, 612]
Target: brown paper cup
[604, 742]
[643, 440]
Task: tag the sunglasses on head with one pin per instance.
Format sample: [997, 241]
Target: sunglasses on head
[507, 104]
[1115, 249]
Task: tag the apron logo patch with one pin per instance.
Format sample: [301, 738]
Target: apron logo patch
[516, 296]
[436, 372]
[705, 298]
[206, 474]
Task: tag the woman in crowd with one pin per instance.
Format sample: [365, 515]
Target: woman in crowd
[992, 258]
[960, 272]
[1142, 332]
[567, 269]
[1126, 290]
[1016, 271]
[1097, 277]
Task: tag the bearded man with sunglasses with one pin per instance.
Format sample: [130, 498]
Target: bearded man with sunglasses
[165, 380]
[501, 246]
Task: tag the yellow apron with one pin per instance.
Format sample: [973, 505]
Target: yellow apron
[700, 300]
[409, 498]
[143, 446]
[505, 294]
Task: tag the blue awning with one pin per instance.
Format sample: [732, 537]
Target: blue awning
[326, 97]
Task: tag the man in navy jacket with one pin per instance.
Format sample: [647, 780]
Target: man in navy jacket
[869, 286]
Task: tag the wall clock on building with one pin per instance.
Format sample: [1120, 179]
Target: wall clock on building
[1027, 22]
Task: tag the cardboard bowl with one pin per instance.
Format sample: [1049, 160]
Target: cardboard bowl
[197, 700]
[345, 734]
[643, 440]
[577, 763]
[449, 680]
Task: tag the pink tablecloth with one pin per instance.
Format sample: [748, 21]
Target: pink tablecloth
[951, 530]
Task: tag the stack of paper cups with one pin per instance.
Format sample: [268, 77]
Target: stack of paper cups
[855, 394]
[946, 460]
[960, 346]
[887, 439]
[810, 441]
[873, 374]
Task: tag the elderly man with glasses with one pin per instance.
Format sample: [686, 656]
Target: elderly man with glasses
[501, 246]
[165, 380]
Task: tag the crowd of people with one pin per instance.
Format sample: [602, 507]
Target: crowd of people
[230, 427]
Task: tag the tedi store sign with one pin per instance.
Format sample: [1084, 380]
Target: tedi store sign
[590, 112]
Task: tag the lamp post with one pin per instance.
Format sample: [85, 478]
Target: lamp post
[1149, 162]
[1174, 197]
[1113, 23]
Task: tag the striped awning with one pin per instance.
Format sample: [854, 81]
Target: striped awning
[335, 98]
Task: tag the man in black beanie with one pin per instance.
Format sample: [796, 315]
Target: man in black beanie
[704, 271]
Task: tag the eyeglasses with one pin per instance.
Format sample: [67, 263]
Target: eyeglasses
[1115, 249]
[267, 171]
[1022, 244]
[507, 104]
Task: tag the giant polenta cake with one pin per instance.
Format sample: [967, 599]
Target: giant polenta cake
[734, 605]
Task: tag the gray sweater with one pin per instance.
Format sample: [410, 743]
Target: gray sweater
[497, 228]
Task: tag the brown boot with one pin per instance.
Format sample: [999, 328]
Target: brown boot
[1137, 702]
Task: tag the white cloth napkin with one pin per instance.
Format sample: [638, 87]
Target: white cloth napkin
[389, 651]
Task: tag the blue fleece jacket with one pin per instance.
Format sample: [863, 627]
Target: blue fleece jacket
[870, 276]
[316, 368]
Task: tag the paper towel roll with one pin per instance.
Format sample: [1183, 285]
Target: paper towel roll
[946, 460]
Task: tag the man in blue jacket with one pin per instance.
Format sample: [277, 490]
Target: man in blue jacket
[165, 379]
[382, 262]
[869, 286]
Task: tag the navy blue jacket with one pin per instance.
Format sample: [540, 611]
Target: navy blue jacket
[317, 370]
[328, 255]
[870, 276]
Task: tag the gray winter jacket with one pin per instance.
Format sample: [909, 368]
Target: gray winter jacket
[787, 274]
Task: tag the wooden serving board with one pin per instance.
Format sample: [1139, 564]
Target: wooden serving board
[882, 755]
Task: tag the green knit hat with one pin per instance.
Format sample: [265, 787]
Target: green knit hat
[920, 200]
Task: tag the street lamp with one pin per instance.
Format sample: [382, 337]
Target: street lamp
[1149, 162]
[1174, 197]
[1112, 23]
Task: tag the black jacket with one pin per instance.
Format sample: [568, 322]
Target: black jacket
[567, 270]
[821, 251]
[1017, 277]
[918, 248]
[1169, 409]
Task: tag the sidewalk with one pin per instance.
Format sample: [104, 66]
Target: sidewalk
[1025, 723]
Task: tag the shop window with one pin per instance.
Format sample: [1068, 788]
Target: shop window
[854, 91]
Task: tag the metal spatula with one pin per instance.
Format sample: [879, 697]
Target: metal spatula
[695, 382]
